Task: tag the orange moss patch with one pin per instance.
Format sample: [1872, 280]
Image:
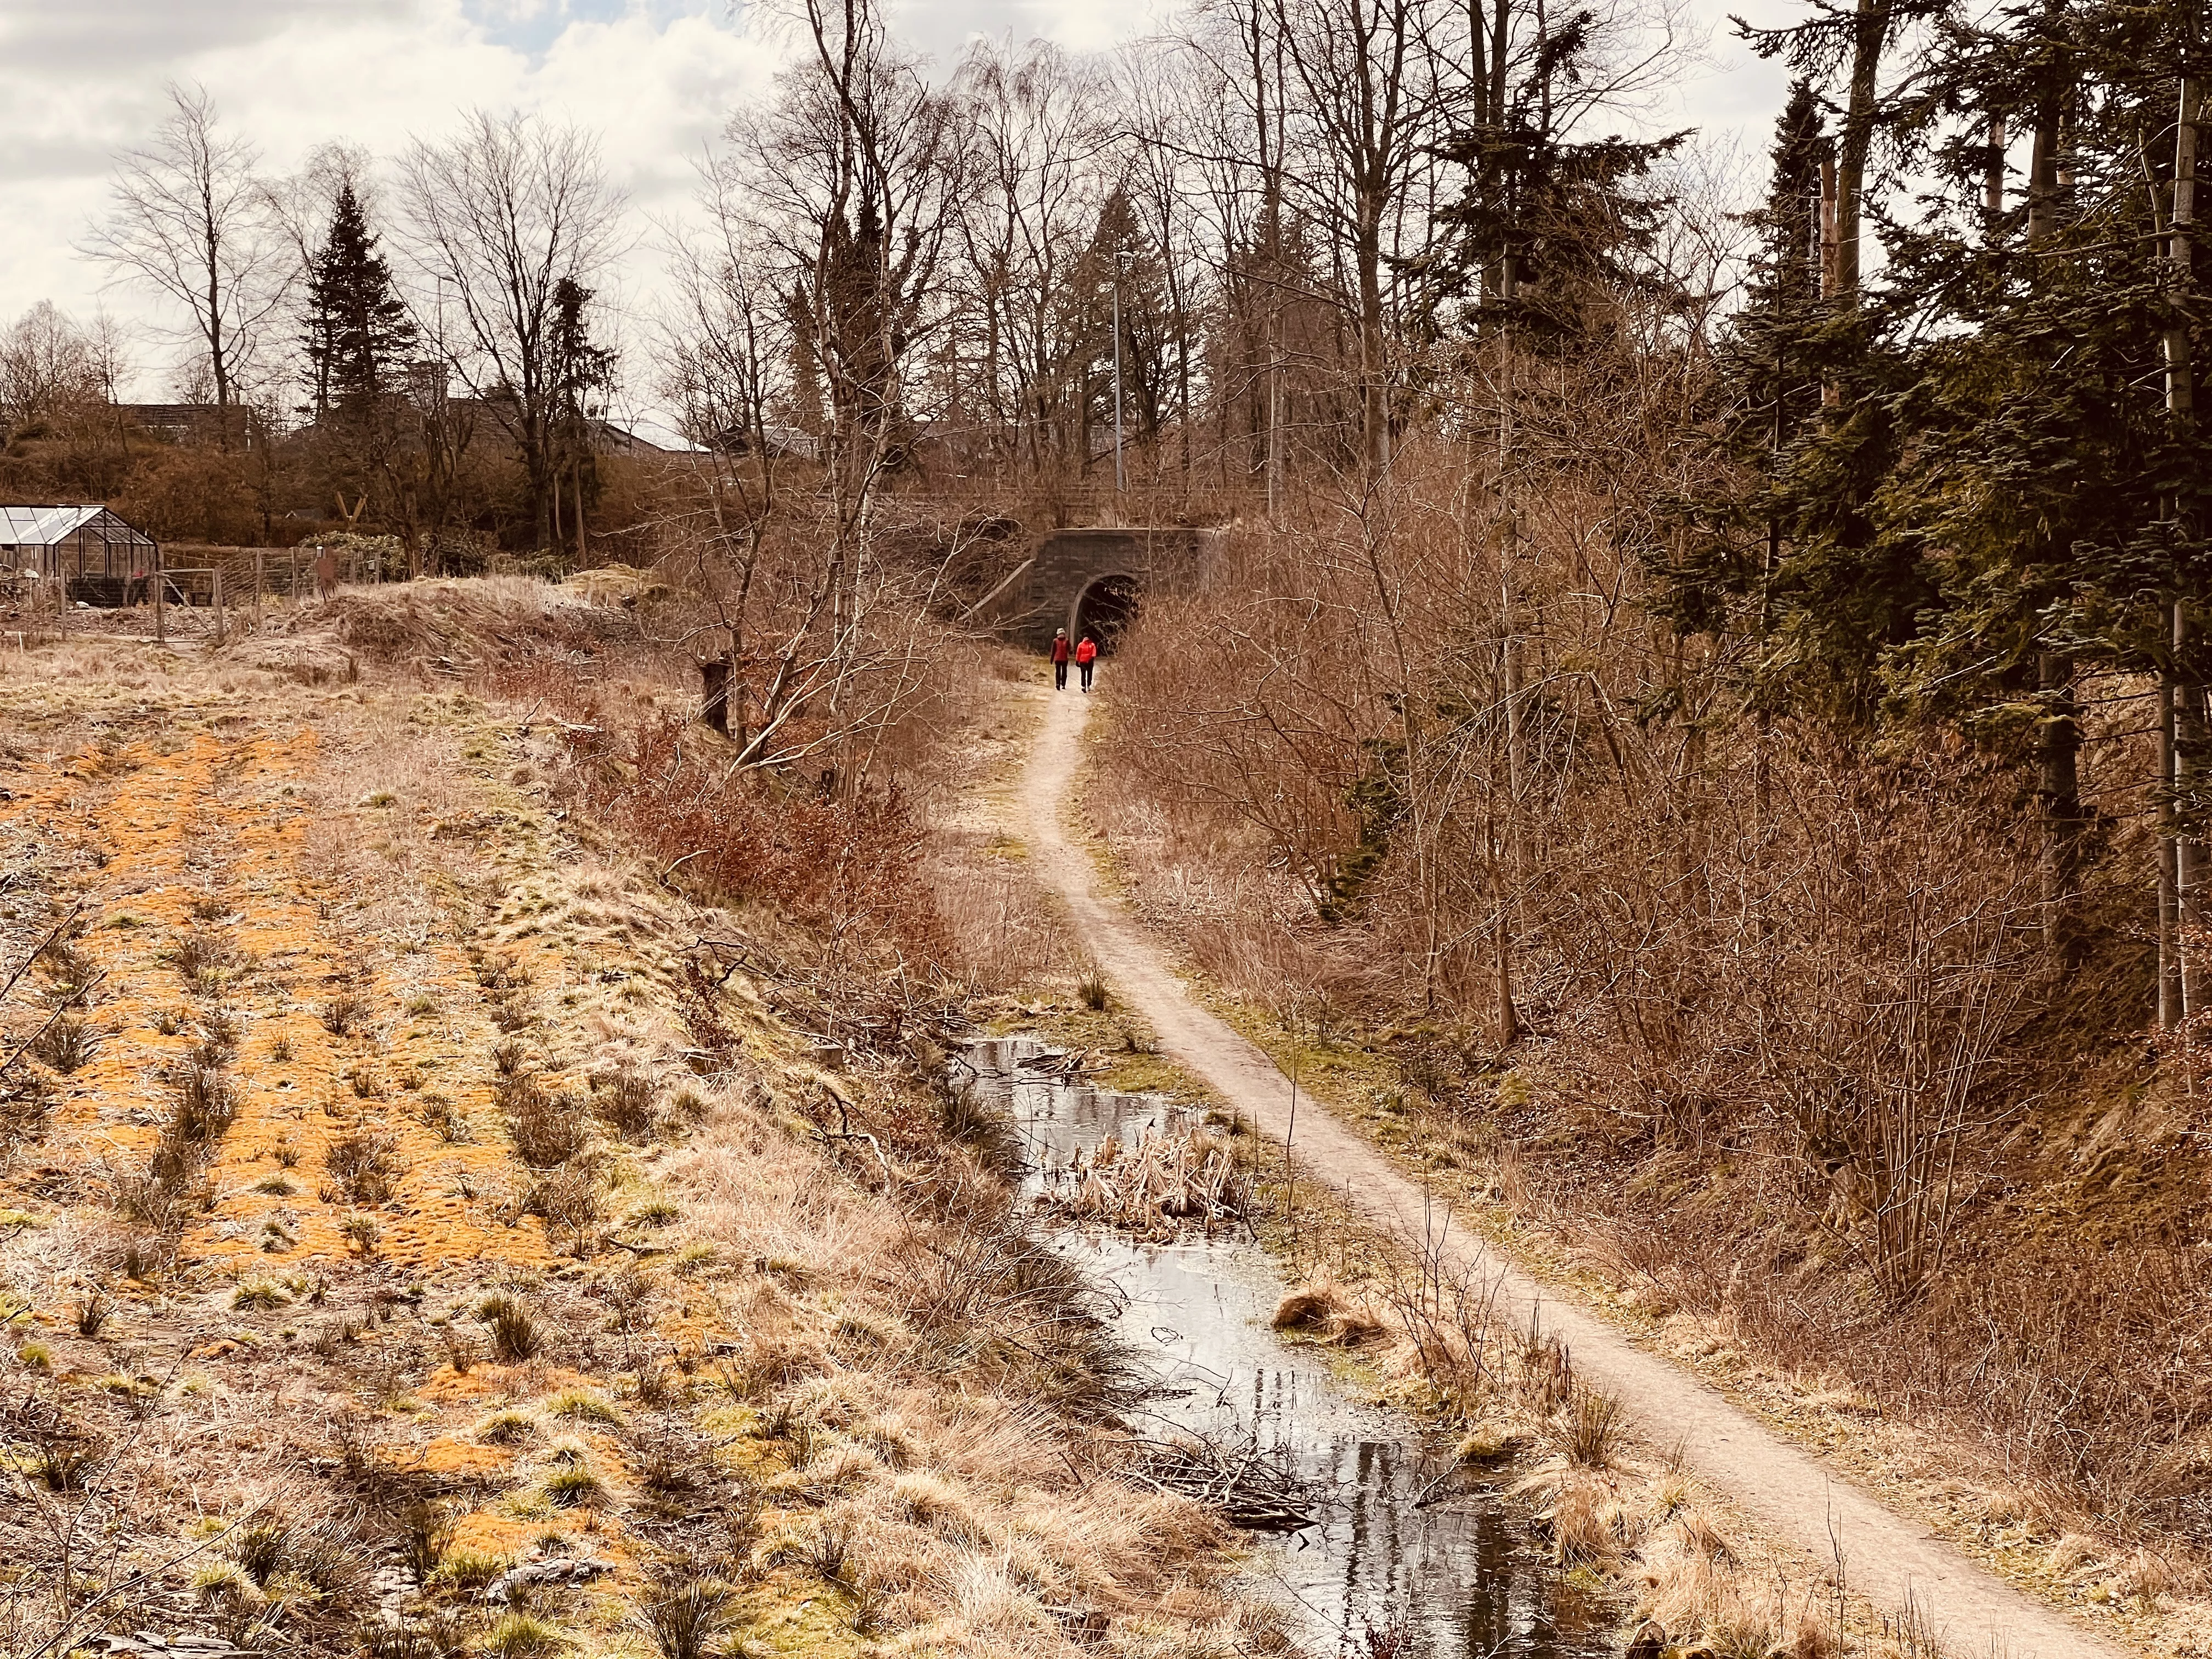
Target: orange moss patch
[447, 1455]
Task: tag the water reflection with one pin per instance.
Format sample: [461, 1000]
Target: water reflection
[1450, 1578]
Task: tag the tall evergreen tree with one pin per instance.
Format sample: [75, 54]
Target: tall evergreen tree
[580, 374]
[357, 329]
[1546, 221]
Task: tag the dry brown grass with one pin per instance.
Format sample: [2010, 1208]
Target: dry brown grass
[828, 1314]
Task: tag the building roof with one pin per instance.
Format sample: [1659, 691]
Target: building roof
[43, 526]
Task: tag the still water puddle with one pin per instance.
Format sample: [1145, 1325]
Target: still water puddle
[1378, 1571]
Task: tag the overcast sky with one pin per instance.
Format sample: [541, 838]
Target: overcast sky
[81, 79]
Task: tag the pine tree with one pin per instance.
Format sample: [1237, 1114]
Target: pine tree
[357, 329]
[581, 371]
[1545, 221]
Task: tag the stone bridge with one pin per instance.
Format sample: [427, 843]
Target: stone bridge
[1094, 579]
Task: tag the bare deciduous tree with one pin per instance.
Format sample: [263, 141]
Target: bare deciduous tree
[500, 215]
[47, 364]
[192, 221]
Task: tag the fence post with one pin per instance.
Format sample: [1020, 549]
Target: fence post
[160, 573]
[257, 587]
[292, 594]
[219, 638]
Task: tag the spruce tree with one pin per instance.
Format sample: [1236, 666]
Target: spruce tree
[357, 329]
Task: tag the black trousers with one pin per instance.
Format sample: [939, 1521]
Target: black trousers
[1060, 677]
[1087, 667]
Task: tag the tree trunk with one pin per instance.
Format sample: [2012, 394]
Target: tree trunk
[714, 683]
[1870, 34]
[2182, 736]
[2058, 788]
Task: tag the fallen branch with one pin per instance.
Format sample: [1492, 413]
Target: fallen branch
[38, 949]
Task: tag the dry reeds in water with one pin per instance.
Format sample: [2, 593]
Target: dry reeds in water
[1157, 1184]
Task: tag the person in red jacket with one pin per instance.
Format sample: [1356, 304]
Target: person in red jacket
[1086, 655]
[1060, 659]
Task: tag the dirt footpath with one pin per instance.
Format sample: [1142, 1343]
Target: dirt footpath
[1887, 1559]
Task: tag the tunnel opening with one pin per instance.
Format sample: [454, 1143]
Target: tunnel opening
[1105, 608]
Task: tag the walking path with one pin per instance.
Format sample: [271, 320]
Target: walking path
[1887, 1558]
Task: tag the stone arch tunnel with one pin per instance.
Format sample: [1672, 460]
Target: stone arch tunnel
[1096, 578]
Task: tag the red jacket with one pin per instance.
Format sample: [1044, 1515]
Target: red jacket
[1060, 647]
[1085, 651]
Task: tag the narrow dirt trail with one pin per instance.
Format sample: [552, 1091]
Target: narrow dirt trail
[1888, 1558]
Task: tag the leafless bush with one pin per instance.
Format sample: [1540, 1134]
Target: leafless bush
[69, 970]
[425, 1531]
[344, 1011]
[988, 1294]
[443, 1118]
[1450, 1319]
[685, 1609]
[546, 1128]
[568, 1200]
[208, 959]
[625, 1099]
[92, 1313]
[66, 1043]
[364, 1165]
[515, 1333]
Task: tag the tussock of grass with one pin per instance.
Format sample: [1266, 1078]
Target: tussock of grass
[506, 1427]
[580, 1405]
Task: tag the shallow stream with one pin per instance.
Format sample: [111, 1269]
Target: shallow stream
[1378, 1572]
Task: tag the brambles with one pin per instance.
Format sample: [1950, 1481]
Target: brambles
[362, 1165]
[92, 1313]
